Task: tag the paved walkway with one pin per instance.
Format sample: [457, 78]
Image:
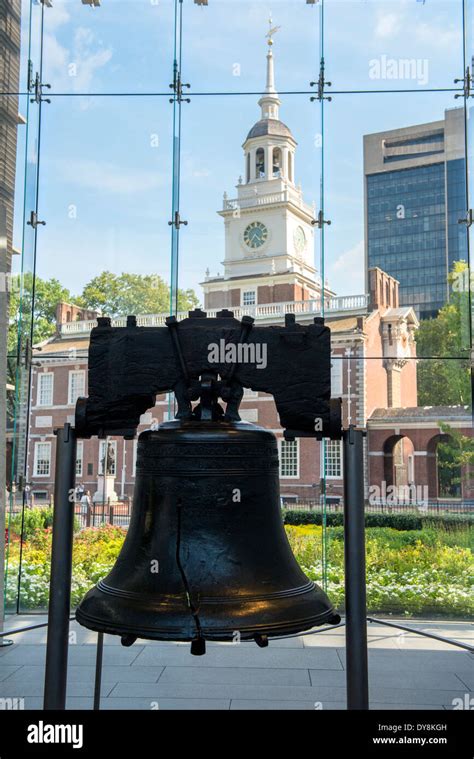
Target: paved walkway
[406, 671]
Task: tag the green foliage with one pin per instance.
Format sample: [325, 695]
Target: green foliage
[396, 521]
[424, 572]
[457, 451]
[114, 295]
[47, 295]
[120, 295]
[33, 521]
[445, 378]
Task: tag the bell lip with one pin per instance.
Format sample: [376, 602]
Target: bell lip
[216, 634]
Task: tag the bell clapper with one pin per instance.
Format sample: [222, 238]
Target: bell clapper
[261, 640]
[128, 640]
[198, 647]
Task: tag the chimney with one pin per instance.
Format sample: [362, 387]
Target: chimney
[383, 290]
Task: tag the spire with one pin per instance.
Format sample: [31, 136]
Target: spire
[270, 102]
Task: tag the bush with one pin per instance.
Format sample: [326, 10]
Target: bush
[40, 518]
[395, 521]
[408, 573]
[33, 519]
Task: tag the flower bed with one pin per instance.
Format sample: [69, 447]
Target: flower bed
[416, 572]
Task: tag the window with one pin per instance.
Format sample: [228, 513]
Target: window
[289, 459]
[79, 457]
[77, 385]
[42, 465]
[332, 466]
[249, 298]
[112, 457]
[45, 389]
[260, 163]
[276, 169]
[290, 167]
[336, 376]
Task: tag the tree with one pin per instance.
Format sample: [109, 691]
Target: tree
[47, 294]
[124, 294]
[442, 344]
[455, 457]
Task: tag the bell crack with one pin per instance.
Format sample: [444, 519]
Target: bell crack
[187, 590]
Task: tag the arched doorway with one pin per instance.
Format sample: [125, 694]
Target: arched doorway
[444, 469]
[399, 470]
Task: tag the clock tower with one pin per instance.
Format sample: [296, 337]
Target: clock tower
[269, 234]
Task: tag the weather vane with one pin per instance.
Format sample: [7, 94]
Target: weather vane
[271, 31]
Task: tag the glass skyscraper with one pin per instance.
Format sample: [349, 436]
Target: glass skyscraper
[415, 194]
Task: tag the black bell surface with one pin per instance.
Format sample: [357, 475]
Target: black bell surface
[206, 555]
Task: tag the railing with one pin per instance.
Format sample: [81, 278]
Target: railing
[284, 196]
[266, 311]
[336, 505]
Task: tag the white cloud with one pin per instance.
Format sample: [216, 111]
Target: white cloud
[350, 261]
[56, 16]
[439, 36]
[109, 177]
[387, 24]
[73, 70]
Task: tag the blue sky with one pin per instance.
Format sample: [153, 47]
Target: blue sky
[106, 166]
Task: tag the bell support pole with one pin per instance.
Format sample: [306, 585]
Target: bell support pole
[354, 562]
[61, 571]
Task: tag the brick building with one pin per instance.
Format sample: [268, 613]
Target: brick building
[362, 327]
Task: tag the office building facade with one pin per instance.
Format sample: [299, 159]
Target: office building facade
[415, 195]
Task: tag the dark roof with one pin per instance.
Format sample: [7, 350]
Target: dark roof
[269, 126]
[413, 413]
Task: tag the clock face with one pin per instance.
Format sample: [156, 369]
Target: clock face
[299, 239]
[255, 235]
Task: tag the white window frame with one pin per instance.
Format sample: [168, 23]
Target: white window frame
[80, 458]
[295, 442]
[103, 443]
[134, 458]
[40, 389]
[336, 375]
[326, 444]
[72, 401]
[249, 292]
[47, 445]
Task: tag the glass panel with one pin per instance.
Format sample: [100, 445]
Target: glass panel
[261, 228]
[92, 50]
[393, 46]
[105, 248]
[234, 30]
[20, 150]
[395, 202]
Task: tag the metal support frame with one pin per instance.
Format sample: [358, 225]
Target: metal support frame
[354, 564]
[423, 633]
[61, 570]
[98, 670]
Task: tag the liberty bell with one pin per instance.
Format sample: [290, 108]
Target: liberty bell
[206, 556]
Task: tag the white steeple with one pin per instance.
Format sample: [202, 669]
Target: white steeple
[270, 102]
[269, 232]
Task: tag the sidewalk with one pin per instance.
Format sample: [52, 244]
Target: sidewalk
[406, 671]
